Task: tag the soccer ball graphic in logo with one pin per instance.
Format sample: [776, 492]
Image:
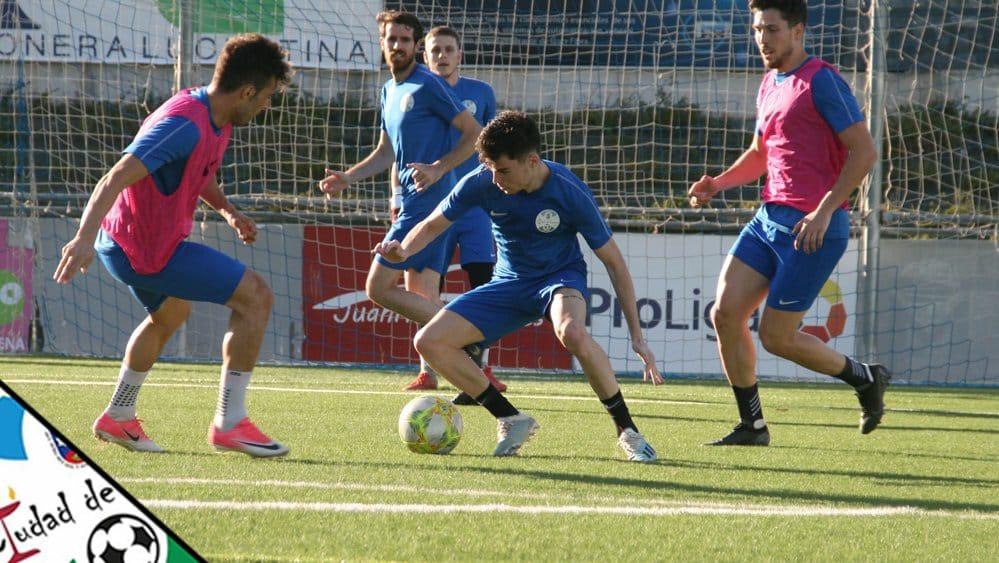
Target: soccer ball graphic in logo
[123, 538]
[430, 425]
[547, 221]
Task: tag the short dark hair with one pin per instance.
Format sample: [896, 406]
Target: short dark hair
[401, 18]
[512, 134]
[445, 31]
[794, 11]
[251, 58]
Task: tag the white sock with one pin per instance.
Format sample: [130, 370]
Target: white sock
[232, 398]
[126, 392]
[485, 358]
[425, 368]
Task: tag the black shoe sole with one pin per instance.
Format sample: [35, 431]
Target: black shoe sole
[745, 439]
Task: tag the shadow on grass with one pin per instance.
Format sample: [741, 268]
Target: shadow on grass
[514, 467]
[775, 422]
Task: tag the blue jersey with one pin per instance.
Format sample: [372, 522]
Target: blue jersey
[535, 232]
[164, 148]
[417, 115]
[479, 99]
[832, 97]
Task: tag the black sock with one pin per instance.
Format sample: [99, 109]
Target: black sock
[750, 409]
[496, 403]
[855, 373]
[619, 412]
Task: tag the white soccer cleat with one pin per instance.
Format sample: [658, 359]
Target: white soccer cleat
[635, 446]
[512, 432]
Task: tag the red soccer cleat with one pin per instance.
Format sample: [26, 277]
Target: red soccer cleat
[499, 385]
[423, 382]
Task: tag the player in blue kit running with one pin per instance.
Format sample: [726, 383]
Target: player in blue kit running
[473, 232]
[418, 112]
[812, 143]
[538, 207]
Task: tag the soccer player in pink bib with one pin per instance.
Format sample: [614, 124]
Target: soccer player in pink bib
[137, 221]
[814, 146]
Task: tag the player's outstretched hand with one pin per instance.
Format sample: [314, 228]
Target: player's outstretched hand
[650, 372]
[425, 175]
[702, 191]
[245, 228]
[77, 256]
[810, 231]
[392, 251]
[334, 183]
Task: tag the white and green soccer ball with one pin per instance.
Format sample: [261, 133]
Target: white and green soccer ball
[430, 425]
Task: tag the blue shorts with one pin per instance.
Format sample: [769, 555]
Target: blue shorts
[473, 233]
[767, 246]
[432, 256]
[195, 272]
[504, 305]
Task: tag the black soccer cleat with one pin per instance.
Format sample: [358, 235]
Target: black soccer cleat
[475, 352]
[464, 399]
[744, 435]
[872, 398]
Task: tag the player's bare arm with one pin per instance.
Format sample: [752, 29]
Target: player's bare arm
[862, 155]
[624, 287]
[379, 160]
[78, 253]
[417, 239]
[747, 168]
[245, 227]
[426, 175]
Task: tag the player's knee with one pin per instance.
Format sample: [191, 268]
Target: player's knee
[722, 318]
[426, 342]
[375, 291]
[777, 343]
[572, 335]
[255, 299]
[172, 315]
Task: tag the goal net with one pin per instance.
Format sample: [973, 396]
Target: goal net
[638, 97]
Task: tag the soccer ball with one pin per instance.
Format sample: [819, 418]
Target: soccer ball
[430, 425]
[123, 538]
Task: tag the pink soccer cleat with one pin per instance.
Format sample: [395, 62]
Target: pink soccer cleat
[246, 438]
[127, 434]
[423, 382]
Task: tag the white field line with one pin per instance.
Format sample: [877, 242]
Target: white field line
[627, 506]
[588, 398]
[213, 386]
[694, 510]
[338, 391]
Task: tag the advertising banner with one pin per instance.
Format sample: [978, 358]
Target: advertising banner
[675, 278]
[16, 305]
[343, 325]
[340, 34]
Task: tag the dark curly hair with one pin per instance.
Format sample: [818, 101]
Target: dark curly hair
[512, 134]
[794, 11]
[402, 18]
[251, 58]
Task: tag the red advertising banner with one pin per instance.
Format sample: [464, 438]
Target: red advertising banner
[343, 325]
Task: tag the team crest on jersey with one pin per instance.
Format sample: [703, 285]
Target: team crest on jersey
[470, 106]
[406, 102]
[547, 221]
